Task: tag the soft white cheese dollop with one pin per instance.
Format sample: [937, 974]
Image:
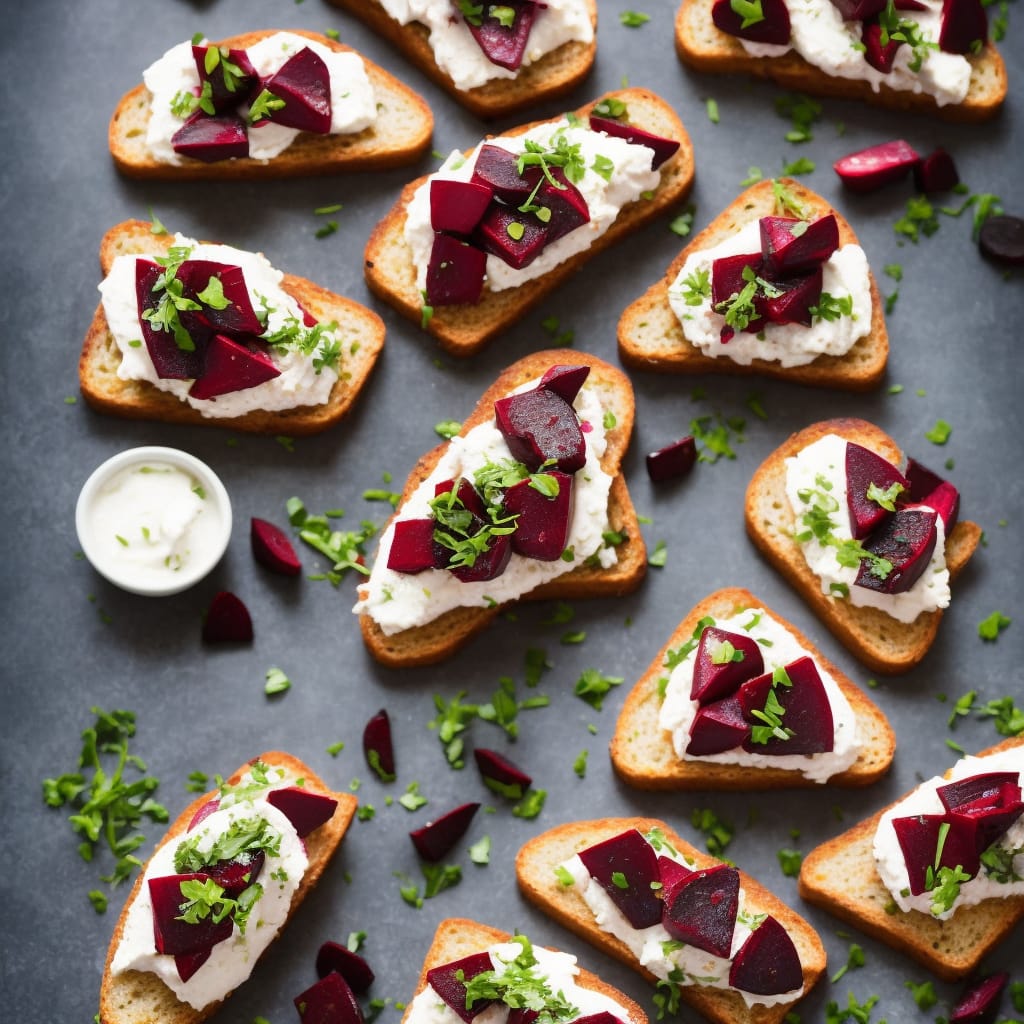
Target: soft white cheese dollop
[678, 710]
[892, 868]
[232, 960]
[458, 54]
[822, 38]
[826, 458]
[845, 273]
[397, 601]
[299, 382]
[353, 104]
[632, 175]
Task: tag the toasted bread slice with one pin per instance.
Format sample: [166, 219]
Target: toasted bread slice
[840, 876]
[436, 640]
[651, 337]
[400, 135]
[463, 330]
[137, 997]
[701, 45]
[643, 754]
[458, 937]
[535, 872]
[360, 330]
[555, 74]
[883, 643]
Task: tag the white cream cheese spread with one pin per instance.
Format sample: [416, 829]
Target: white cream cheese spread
[398, 601]
[631, 175]
[889, 860]
[778, 647]
[655, 949]
[458, 54]
[822, 38]
[353, 105]
[301, 382]
[844, 274]
[825, 460]
[232, 960]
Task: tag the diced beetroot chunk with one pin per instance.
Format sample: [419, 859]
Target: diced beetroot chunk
[489, 565]
[712, 679]
[500, 774]
[630, 856]
[222, 97]
[236, 875]
[871, 168]
[272, 548]
[169, 360]
[979, 1003]
[671, 871]
[175, 937]
[727, 281]
[858, 10]
[717, 727]
[542, 529]
[986, 826]
[521, 1015]
[437, 837]
[661, 147]
[444, 981]
[332, 956]
[466, 493]
[565, 381]
[498, 169]
[918, 837]
[227, 620]
[964, 24]
[767, 963]
[238, 317]
[568, 208]
[603, 1017]
[965, 791]
[187, 964]
[774, 29]
[907, 539]
[305, 810]
[498, 231]
[936, 172]
[457, 206]
[700, 909]
[378, 746]
[879, 55]
[204, 812]
[455, 273]
[945, 499]
[329, 1001]
[864, 468]
[505, 45]
[921, 479]
[304, 83]
[412, 546]
[788, 249]
[539, 425]
[232, 366]
[910, 5]
[1002, 239]
[674, 460]
[211, 139]
[799, 294]
[807, 711]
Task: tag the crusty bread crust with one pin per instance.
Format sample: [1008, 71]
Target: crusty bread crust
[439, 639]
[701, 45]
[463, 330]
[360, 331]
[137, 997]
[880, 641]
[643, 755]
[458, 937]
[400, 135]
[651, 337]
[840, 876]
[535, 872]
[554, 75]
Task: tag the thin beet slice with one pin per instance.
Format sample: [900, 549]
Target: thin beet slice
[498, 169]
[918, 838]
[964, 26]
[965, 791]
[543, 523]
[305, 810]
[515, 238]
[907, 539]
[871, 168]
[187, 964]
[936, 172]
[204, 812]
[500, 774]
[445, 982]
[724, 660]
[700, 909]
[979, 1002]
[227, 620]
[231, 366]
[457, 206]
[880, 55]
[791, 246]
[1002, 239]
[767, 963]
[412, 546]
[807, 713]
[775, 28]
[717, 727]
[624, 866]
[176, 937]
[272, 548]
[227, 88]
[455, 272]
[504, 44]
[332, 956]
[170, 361]
[538, 426]
[238, 317]
[565, 381]
[661, 148]
[378, 747]
[304, 83]
[436, 838]
[211, 139]
[236, 875]
[867, 471]
[674, 460]
[329, 1001]
[799, 294]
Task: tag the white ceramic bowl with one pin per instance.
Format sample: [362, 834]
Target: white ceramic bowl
[153, 521]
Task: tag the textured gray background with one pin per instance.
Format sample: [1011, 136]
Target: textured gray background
[955, 334]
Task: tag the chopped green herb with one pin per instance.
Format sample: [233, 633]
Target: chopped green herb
[579, 766]
[718, 833]
[593, 686]
[412, 799]
[924, 994]
[480, 851]
[659, 555]
[853, 961]
[531, 804]
[712, 109]
[277, 682]
[990, 627]
[918, 219]
[564, 876]
[576, 636]
[336, 748]
[802, 165]
[447, 428]
[895, 389]
[790, 861]
[633, 19]
[682, 224]
[326, 229]
[802, 111]
[939, 434]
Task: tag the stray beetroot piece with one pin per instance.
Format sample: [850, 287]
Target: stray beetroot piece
[918, 836]
[187, 964]
[858, 10]
[661, 147]
[671, 871]
[177, 937]
[966, 791]
[232, 366]
[907, 540]
[498, 169]
[436, 838]
[871, 168]
[565, 381]
[412, 546]
[543, 522]
[964, 26]
[500, 775]
[227, 620]
[866, 471]
[568, 208]
[228, 88]
[936, 172]
[170, 361]
[767, 963]
[329, 1001]
[211, 139]
[799, 294]
[238, 316]
[539, 425]
[455, 272]
[378, 747]
[457, 206]
[489, 564]
[807, 712]
[1002, 239]
[272, 548]
[304, 83]
[724, 660]
[204, 812]
[979, 1002]
[674, 460]
[717, 727]
[515, 238]
[305, 810]
[445, 982]
[775, 28]
[791, 246]
[236, 875]
[504, 44]
[332, 956]
[624, 866]
[700, 909]
[879, 55]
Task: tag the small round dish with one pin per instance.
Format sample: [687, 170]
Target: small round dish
[153, 520]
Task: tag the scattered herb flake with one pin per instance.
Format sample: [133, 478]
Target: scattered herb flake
[480, 851]
[633, 19]
[659, 555]
[592, 687]
[682, 224]
[277, 682]
[447, 428]
[989, 628]
[712, 108]
[939, 434]
[579, 766]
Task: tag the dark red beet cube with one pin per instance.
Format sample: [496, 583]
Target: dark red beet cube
[871, 168]
[936, 172]
[272, 548]
[332, 956]
[879, 55]
[457, 206]
[227, 620]
[378, 747]
[945, 499]
[727, 282]
[858, 10]
[767, 963]
[498, 169]
[238, 316]
[412, 546]
[799, 294]
[515, 238]
[604, 1017]
[918, 836]
[466, 493]
[445, 982]
[624, 866]
[979, 1003]
[488, 565]
[565, 381]
[865, 469]
[791, 246]
[717, 727]
[661, 147]
[455, 273]
[724, 660]
[775, 28]
[907, 539]
[921, 479]
[236, 875]
[986, 825]
[807, 711]
[505, 45]
[700, 909]
[543, 523]
[188, 963]
[955, 795]
[305, 810]
[232, 366]
[211, 139]
[436, 838]
[170, 361]
[329, 1001]
[671, 871]
[500, 774]
[540, 425]
[176, 937]
[227, 89]
[304, 83]
[674, 460]
[565, 201]
[964, 25]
